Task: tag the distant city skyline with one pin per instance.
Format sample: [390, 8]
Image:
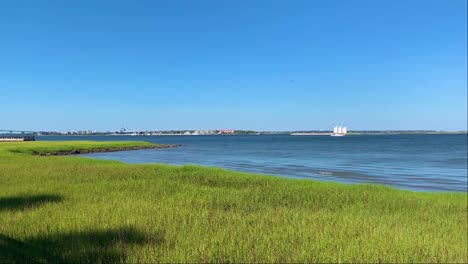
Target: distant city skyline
[206, 131]
[248, 65]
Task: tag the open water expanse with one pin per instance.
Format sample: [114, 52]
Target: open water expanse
[415, 162]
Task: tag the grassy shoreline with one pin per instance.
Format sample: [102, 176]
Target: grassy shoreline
[77, 209]
[60, 149]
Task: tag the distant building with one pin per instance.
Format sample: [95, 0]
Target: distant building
[226, 131]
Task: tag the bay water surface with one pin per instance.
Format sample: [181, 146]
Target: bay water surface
[414, 162]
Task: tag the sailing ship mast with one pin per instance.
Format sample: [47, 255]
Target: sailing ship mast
[339, 131]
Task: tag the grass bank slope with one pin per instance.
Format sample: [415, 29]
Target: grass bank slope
[74, 209]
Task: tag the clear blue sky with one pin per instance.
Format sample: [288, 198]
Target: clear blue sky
[263, 65]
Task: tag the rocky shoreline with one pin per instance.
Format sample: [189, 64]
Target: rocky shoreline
[95, 150]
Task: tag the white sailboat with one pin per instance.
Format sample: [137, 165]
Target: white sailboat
[339, 131]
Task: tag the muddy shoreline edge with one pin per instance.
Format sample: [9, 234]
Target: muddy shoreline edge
[106, 149]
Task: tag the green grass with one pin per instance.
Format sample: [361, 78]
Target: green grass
[74, 209]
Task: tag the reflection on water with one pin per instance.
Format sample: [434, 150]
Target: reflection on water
[416, 162]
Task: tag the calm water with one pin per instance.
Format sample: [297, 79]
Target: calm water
[415, 162]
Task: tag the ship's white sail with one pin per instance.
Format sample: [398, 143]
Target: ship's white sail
[339, 131]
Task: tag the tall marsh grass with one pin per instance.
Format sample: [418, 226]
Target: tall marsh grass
[75, 209]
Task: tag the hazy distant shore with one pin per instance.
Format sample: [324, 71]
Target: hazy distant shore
[314, 132]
